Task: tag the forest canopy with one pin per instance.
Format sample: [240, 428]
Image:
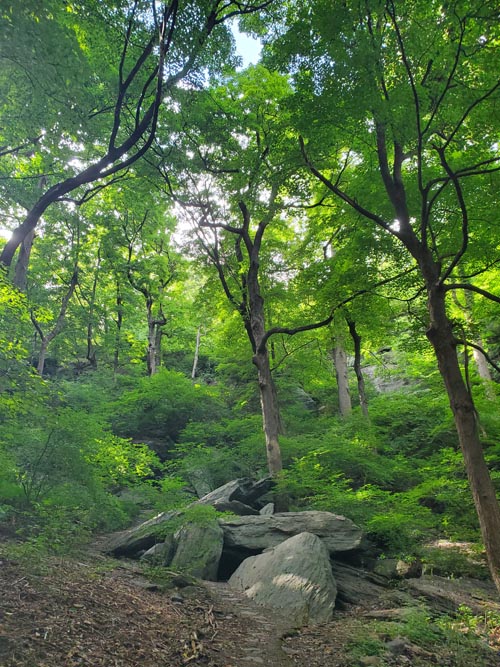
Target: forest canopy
[211, 271]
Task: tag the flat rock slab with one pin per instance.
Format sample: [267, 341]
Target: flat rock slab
[337, 533]
[138, 538]
[295, 578]
[447, 595]
[235, 496]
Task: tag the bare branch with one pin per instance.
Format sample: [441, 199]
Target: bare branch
[484, 353]
[473, 288]
[341, 194]
[465, 216]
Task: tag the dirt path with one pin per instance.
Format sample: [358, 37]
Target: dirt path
[260, 641]
[99, 612]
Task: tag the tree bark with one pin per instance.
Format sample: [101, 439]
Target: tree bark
[483, 368]
[340, 363]
[153, 355]
[21, 272]
[440, 335]
[196, 353]
[270, 411]
[119, 322]
[356, 339]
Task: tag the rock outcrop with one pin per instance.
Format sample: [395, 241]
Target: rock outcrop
[337, 533]
[294, 577]
[236, 496]
[199, 548]
[301, 562]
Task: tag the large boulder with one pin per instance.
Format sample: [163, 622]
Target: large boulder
[199, 548]
[257, 533]
[357, 586]
[235, 496]
[139, 538]
[243, 490]
[295, 577]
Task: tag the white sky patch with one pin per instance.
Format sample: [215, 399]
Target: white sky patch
[248, 48]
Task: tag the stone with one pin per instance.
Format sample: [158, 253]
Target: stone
[199, 548]
[267, 510]
[235, 496]
[234, 506]
[243, 490]
[398, 645]
[294, 577]
[139, 538]
[337, 533]
[357, 586]
[161, 553]
[392, 568]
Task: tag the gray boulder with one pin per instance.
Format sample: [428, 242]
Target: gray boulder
[243, 490]
[295, 577]
[199, 548]
[337, 533]
[357, 586]
[392, 568]
[235, 507]
[161, 553]
[235, 496]
[139, 538]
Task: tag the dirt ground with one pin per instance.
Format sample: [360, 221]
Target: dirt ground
[97, 612]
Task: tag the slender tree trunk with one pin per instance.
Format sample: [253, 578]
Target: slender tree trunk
[42, 354]
[482, 366]
[151, 355]
[268, 397]
[340, 363]
[196, 353]
[23, 260]
[119, 322]
[155, 325]
[440, 334]
[270, 411]
[91, 352]
[356, 339]
[46, 339]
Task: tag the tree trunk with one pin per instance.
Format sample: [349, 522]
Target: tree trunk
[151, 355]
[440, 335]
[270, 411]
[23, 260]
[196, 353]
[155, 324]
[119, 322]
[59, 324]
[482, 366]
[356, 339]
[340, 362]
[42, 354]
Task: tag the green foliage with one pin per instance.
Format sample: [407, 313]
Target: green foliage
[162, 405]
[454, 562]
[118, 462]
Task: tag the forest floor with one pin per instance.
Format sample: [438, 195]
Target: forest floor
[93, 611]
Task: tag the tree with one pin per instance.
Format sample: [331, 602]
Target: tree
[149, 271]
[160, 48]
[401, 131]
[240, 198]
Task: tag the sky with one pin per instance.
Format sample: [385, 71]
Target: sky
[247, 47]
